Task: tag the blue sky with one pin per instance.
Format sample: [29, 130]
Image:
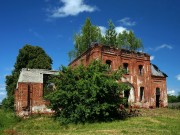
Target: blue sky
[51, 24]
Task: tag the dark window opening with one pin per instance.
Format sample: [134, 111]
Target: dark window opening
[125, 65]
[140, 70]
[126, 97]
[108, 62]
[157, 97]
[141, 93]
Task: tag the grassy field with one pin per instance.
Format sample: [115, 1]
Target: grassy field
[152, 122]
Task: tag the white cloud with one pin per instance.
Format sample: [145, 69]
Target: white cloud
[127, 21]
[171, 92]
[2, 87]
[163, 46]
[178, 77]
[152, 58]
[35, 33]
[71, 8]
[2, 93]
[120, 29]
[103, 30]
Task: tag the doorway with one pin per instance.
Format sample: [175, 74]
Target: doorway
[157, 97]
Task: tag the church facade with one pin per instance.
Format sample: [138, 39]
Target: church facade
[147, 83]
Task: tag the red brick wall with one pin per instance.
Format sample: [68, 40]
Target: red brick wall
[118, 57]
[29, 98]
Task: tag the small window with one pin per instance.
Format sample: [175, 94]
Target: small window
[140, 70]
[125, 65]
[141, 93]
[108, 62]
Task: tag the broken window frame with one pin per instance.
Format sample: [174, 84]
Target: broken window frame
[125, 66]
[140, 69]
[109, 63]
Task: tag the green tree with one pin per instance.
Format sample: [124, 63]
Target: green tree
[172, 98]
[111, 35]
[91, 33]
[127, 40]
[28, 57]
[86, 94]
[83, 40]
[178, 97]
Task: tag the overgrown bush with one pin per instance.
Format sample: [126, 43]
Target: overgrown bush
[87, 94]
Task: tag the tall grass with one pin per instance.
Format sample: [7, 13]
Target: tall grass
[161, 121]
[7, 120]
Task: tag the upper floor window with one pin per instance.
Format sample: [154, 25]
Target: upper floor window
[109, 63]
[140, 69]
[125, 65]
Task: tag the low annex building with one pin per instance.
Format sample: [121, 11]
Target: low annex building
[147, 83]
[30, 92]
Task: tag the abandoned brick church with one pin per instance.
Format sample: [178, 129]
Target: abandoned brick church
[147, 83]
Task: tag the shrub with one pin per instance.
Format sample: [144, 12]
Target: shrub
[87, 94]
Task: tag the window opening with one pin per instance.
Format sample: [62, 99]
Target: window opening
[140, 70]
[48, 86]
[141, 93]
[157, 97]
[126, 97]
[108, 62]
[125, 65]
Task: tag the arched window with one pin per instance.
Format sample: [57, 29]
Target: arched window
[140, 69]
[125, 65]
[109, 62]
[141, 93]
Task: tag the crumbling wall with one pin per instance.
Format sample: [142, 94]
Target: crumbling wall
[29, 99]
[160, 83]
[134, 76]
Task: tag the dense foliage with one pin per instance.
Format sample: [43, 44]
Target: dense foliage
[111, 35]
[91, 33]
[28, 57]
[87, 94]
[173, 98]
